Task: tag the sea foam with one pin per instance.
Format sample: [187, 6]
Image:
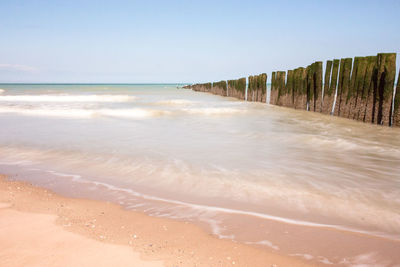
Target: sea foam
[66, 98]
[214, 111]
[134, 113]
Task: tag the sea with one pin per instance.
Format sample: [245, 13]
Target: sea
[281, 179]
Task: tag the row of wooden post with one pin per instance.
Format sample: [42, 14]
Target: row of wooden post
[359, 89]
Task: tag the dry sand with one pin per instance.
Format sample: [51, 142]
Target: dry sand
[40, 228]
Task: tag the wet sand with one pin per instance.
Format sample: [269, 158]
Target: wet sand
[41, 228]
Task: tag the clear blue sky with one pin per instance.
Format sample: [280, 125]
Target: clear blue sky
[185, 41]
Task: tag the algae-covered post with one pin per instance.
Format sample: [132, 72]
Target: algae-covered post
[334, 85]
[231, 87]
[339, 87]
[241, 87]
[396, 108]
[287, 100]
[257, 90]
[206, 87]
[249, 92]
[279, 88]
[343, 87]
[351, 93]
[281, 77]
[237, 88]
[202, 87]
[369, 89]
[318, 86]
[358, 85]
[301, 97]
[297, 87]
[219, 88]
[310, 86]
[251, 89]
[262, 87]
[327, 93]
[386, 73]
[274, 92]
[346, 85]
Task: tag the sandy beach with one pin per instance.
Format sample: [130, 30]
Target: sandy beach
[200, 133]
[40, 228]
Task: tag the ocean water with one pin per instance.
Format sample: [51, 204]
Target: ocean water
[199, 157]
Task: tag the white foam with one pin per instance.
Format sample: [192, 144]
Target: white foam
[304, 256]
[216, 229]
[175, 102]
[47, 112]
[365, 260]
[75, 177]
[228, 210]
[18, 162]
[264, 243]
[136, 113]
[324, 260]
[214, 111]
[2, 91]
[66, 98]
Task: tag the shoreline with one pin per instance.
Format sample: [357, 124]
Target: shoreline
[105, 226]
[310, 245]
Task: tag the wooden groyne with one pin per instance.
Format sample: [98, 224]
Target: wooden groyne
[361, 89]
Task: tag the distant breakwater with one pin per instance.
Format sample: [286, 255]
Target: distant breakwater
[360, 89]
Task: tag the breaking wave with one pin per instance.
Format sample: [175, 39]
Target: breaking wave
[66, 98]
[175, 102]
[135, 113]
[214, 111]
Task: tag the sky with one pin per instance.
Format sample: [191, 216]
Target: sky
[185, 41]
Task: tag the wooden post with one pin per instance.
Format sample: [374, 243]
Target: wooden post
[386, 72]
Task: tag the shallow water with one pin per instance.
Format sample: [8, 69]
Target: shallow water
[196, 156]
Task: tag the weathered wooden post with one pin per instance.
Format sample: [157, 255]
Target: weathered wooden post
[298, 94]
[241, 88]
[263, 87]
[386, 72]
[219, 88]
[318, 86]
[281, 77]
[237, 88]
[369, 91]
[356, 104]
[208, 87]
[250, 89]
[310, 87]
[288, 95]
[326, 93]
[296, 87]
[274, 92]
[343, 87]
[304, 89]
[351, 93]
[333, 86]
[396, 108]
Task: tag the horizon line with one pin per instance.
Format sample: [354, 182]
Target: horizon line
[88, 83]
